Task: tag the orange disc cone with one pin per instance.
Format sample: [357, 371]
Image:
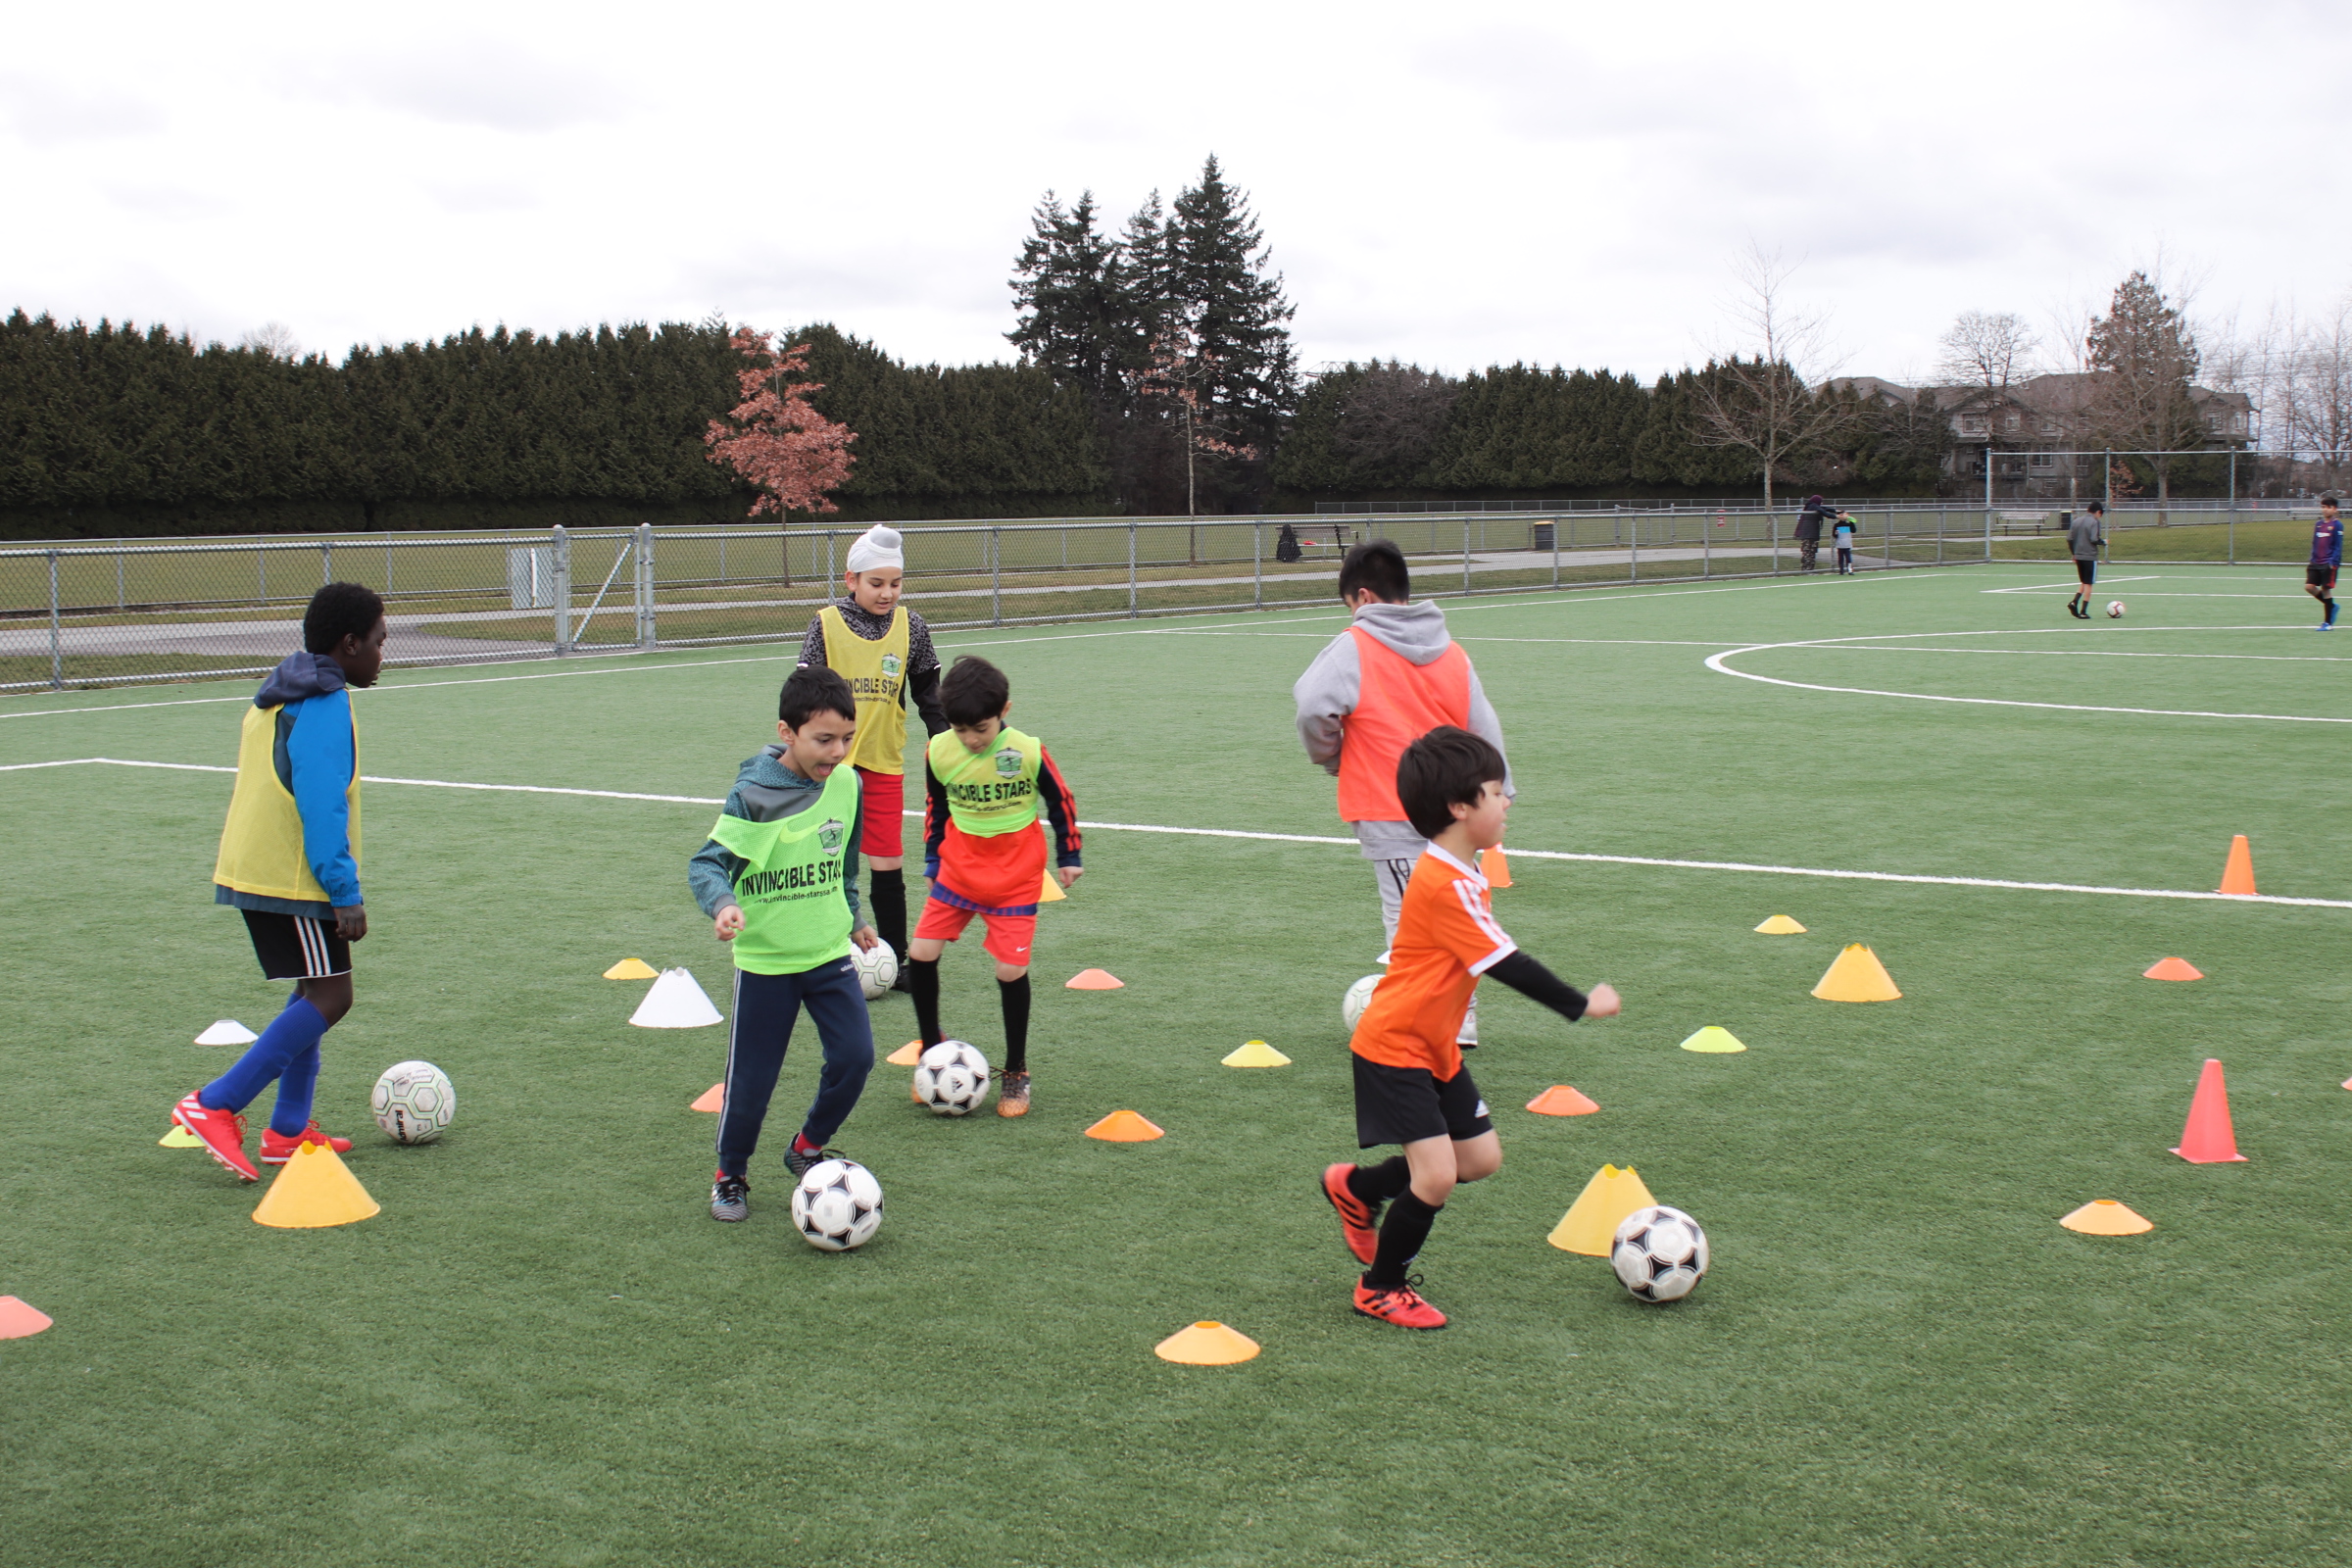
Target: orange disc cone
[710, 1098]
[2172, 969]
[907, 1056]
[1562, 1099]
[1124, 1127]
[2239, 875]
[313, 1191]
[1857, 975]
[1495, 868]
[2208, 1140]
[19, 1320]
[2104, 1216]
[1094, 980]
[1207, 1345]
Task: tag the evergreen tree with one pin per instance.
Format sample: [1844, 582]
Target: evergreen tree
[1078, 312]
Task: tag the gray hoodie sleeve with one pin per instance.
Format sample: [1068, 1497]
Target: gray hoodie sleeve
[712, 870]
[1326, 695]
[1488, 727]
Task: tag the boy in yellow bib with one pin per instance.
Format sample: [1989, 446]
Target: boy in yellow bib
[883, 649]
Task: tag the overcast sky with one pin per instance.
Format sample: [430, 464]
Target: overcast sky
[1456, 184]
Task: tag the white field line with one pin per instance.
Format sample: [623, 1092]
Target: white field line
[2081, 653]
[2044, 587]
[1749, 868]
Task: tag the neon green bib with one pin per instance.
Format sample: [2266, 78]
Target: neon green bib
[795, 912]
[988, 792]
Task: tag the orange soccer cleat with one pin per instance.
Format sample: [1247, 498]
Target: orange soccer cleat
[222, 1132]
[1400, 1304]
[277, 1150]
[1357, 1222]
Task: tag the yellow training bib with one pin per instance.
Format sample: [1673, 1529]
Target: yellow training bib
[877, 675]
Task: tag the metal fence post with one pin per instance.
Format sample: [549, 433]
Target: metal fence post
[1775, 520]
[1939, 536]
[1465, 555]
[1706, 547]
[261, 578]
[1258, 563]
[1633, 552]
[118, 574]
[996, 576]
[2234, 530]
[1556, 551]
[327, 562]
[57, 653]
[559, 553]
[831, 575]
[646, 635]
[1131, 611]
[1988, 531]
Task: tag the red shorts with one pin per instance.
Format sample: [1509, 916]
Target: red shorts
[1008, 939]
[881, 815]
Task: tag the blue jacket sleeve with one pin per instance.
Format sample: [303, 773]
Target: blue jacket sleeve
[318, 755]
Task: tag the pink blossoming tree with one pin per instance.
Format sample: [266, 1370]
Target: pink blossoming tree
[773, 438]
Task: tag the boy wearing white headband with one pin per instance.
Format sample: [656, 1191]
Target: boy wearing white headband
[883, 649]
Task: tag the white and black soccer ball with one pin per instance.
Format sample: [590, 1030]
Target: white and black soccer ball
[877, 969]
[1358, 998]
[952, 1078]
[413, 1102]
[2115, 610]
[837, 1205]
[1660, 1254]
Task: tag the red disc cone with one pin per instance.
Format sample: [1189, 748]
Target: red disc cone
[2208, 1140]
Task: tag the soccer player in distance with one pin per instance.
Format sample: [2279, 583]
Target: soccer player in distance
[778, 878]
[2082, 541]
[289, 862]
[883, 649]
[984, 855]
[1392, 676]
[1411, 1087]
[2326, 555]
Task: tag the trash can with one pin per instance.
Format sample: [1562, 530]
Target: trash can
[1540, 535]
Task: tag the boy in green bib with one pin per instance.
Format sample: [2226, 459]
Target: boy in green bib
[779, 880]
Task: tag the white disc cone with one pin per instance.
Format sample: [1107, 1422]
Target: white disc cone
[228, 1032]
[675, 1003]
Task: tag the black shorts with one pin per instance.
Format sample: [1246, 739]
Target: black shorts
[2088, 570]
[296, 946]
[2318, 576]
[1405, 1104]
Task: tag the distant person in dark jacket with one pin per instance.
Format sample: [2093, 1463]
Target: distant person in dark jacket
[1808, 531]
[1285, 544]
[2083, 536]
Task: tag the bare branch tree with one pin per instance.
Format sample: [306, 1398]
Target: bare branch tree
[273, 338]
[1988, 348]
[1756, 395]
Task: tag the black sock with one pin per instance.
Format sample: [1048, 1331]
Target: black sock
[1014, 995]
[887, 904]
[1377, 1184]
[922, 979]
[1400, 1237]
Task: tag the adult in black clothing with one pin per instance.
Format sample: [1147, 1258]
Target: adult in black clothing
[1808, 531]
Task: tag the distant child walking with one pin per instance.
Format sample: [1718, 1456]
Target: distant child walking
[987, 784]
[778, 877]
[883, 649]
[1844, 534]
[2083, 536]
[2326, 555]
[289, 861]
[1411, 1086]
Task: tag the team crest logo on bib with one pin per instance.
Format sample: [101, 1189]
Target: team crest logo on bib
[829, 837]
[891, 666]
[1008, 762]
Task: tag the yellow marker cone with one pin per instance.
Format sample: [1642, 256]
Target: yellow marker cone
[315, 1190]
[1857, 977]
[2104, 1216]
[1207, 1345]
[1779, 925]
[180, 1138]
[1258, 1053]
[1590, 1224]
[19, 1320]
[631, 969]
[1714, 1041]
[908, 1055]
[1052, 892]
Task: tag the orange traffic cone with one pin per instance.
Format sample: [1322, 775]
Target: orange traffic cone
[2208, 1140]
[1494, 867]
[1562, 1099]
[2172, 969]
[1124, 1127]
[2239, 875]
[712, 1099]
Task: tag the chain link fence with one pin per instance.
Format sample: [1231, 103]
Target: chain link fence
[100, 615]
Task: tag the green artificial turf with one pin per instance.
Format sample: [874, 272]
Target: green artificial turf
[543, 1351]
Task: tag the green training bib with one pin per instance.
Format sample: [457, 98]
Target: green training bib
[795, 914]
[988, 792]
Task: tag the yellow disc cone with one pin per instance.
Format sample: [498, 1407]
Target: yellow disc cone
[313, 1189]
[2104, 1216]
[631, 969]
[1715, 1040]
[180, 1138]
[1207, 1345]
[1258, 1053]
[1590, 1224]
[1052, 892]
[1857, 977]
[1779, 925]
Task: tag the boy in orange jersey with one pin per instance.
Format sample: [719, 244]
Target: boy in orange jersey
[984, 855]
[1411, 1087]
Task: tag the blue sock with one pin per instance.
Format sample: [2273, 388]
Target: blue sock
[291, 1035]
[292, 1112]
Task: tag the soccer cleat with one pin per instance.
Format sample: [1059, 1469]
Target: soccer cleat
[801, 1161]
[1400, 1304]
[1358, 1222]
[222, 1132]
[1012, 1093]
[277, 1150]
[904, 983]
[730, 1197]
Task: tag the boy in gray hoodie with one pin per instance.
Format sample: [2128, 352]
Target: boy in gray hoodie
[1392, 676]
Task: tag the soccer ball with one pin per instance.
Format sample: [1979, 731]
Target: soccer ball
[952, 1078]
[877, 969]
[1358, 998]
[413, 1102]
[2115, 610]
[1660, 1255]
[837, 1205]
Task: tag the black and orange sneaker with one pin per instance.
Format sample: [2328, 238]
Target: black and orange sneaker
[1012, 1094]
[1400, 1304]
[730, 1197]
[221, 1132]
[1359, 1223]
[277, 1150]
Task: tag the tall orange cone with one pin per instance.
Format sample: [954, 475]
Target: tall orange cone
[1494, 867]
[2208, 1140]
[19, 1320]
[2239, 875]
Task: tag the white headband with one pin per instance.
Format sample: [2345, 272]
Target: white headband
[875, 548]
